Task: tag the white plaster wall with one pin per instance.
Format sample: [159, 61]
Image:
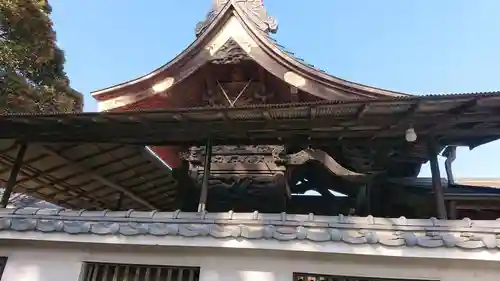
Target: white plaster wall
[64, 263]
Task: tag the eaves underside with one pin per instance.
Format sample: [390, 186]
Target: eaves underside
[380, 115]
[90, 175]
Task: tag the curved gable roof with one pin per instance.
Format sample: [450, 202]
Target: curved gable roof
[235, 21]
[181, 58]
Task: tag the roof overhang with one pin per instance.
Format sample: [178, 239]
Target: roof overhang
[461, 120]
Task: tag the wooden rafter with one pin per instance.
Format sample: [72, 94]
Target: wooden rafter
[102, 179]
[53, 180]
[404, 118]
[453, 112]
[42, 180]
[362, 111]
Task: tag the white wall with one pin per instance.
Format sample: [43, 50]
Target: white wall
[51, 262]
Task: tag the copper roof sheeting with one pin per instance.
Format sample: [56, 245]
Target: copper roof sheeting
[91, 176]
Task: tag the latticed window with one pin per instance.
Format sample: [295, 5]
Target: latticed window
[321, 277]
[130, 272]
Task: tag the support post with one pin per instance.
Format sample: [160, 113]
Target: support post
[436, 180]
[369, 198]
[451, 154]
[11, 182]
[206, 175]
[119, 201]
[452, 210]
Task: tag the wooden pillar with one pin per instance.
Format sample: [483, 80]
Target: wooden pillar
[452, 210]
[206, 175]
[119, 201]
[436, 180]
[451, 154]
[368, 191]
[11, 182]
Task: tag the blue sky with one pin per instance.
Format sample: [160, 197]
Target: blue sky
[421, 47]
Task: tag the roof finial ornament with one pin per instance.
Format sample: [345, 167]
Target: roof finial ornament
[253, 9]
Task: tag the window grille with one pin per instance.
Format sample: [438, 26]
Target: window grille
[322, 277]
[131, 272]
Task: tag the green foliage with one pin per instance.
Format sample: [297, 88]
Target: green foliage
[32, 77]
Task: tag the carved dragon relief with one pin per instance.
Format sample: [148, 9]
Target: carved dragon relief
[254, 10]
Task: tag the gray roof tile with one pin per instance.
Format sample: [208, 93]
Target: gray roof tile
[431, 233]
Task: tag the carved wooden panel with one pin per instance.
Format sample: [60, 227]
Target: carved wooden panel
[230, 53]
[241, 160]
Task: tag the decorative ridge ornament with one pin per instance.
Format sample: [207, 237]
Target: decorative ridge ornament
[254, 10]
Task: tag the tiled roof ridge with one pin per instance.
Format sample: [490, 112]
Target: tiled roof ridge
[431, 233]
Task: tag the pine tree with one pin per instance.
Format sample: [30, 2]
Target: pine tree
[32, 77]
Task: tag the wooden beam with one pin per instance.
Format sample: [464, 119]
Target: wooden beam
[11, 182]
[362, 111]
[404, 118]
[436, 180]
[263, 123]
[262, 130]
[452, 210]
[94, 175]
[119, 201]
[450, 153]
[28, 172]
[267, 137]
[464, 106]
[456, 111]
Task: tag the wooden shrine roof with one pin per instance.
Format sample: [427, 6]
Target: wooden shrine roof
[91, 176]
[235, 29]
[469, 119]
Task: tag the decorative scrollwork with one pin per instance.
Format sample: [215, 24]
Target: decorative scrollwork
[254, 9]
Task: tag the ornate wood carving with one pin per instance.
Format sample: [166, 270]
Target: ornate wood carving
[265, 193]
[254, 9]
[230, 53]
[329, 162]
[237, 160]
